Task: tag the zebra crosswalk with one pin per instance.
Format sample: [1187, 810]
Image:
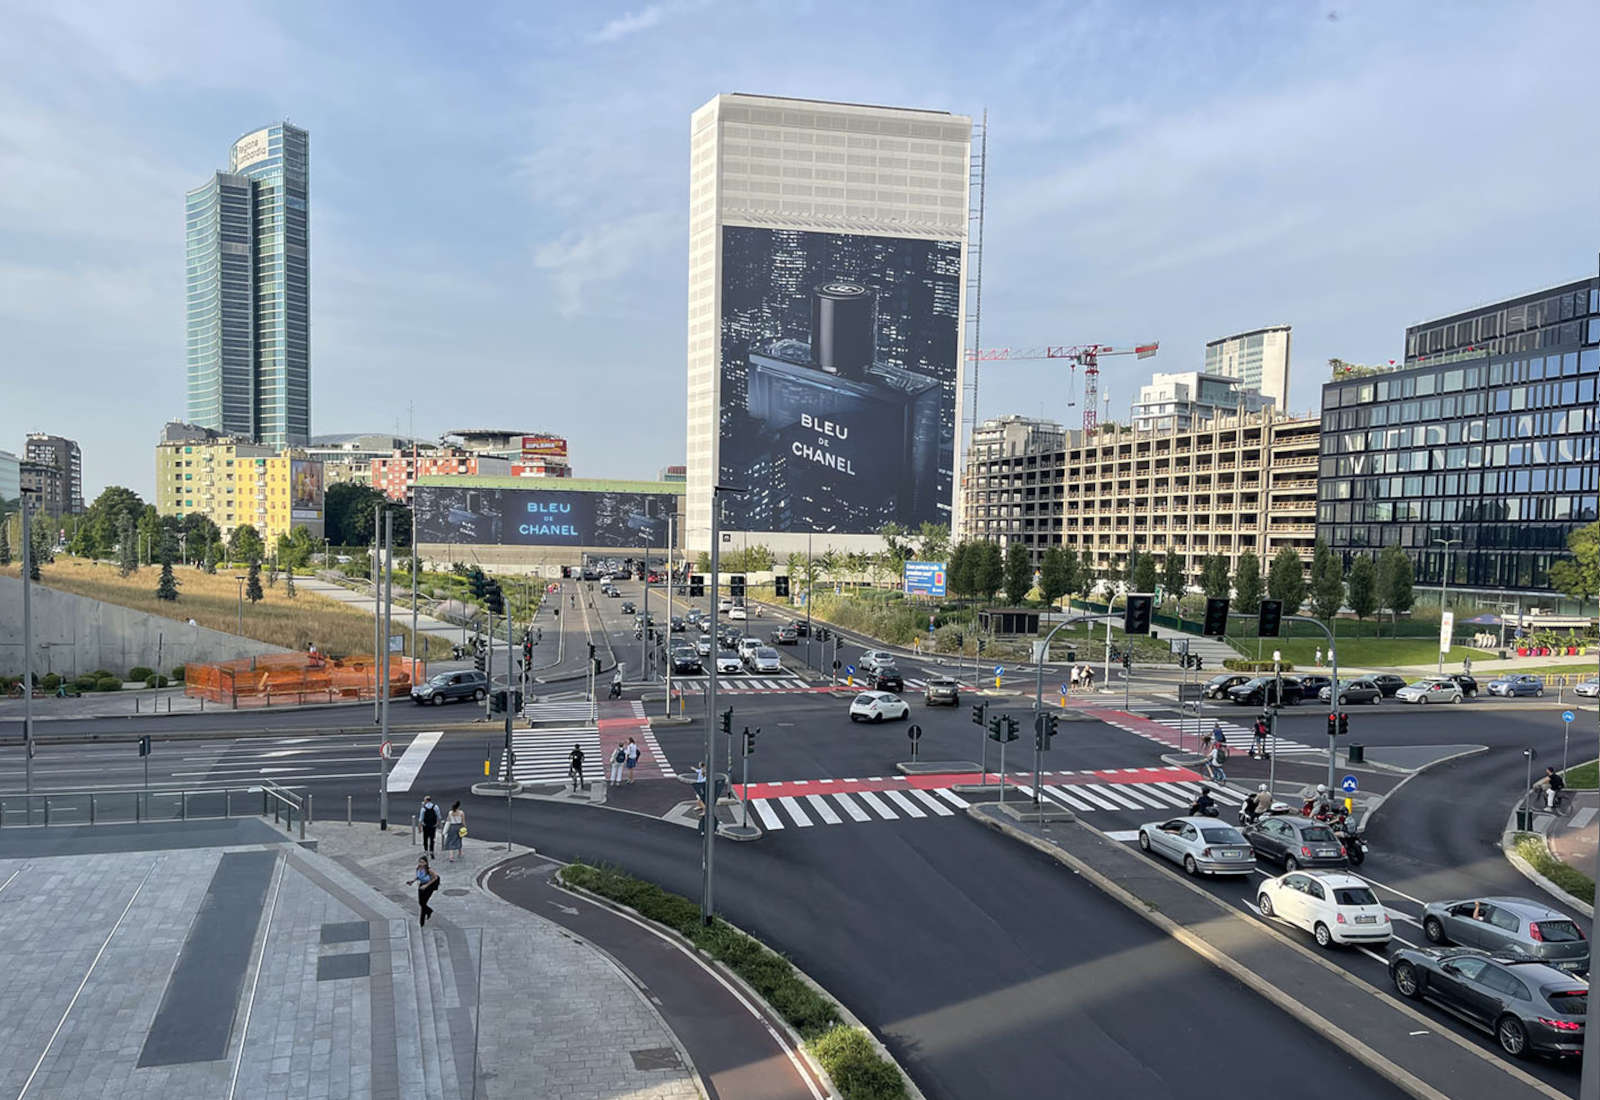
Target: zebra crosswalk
[805, 810]
[742, 684]
[562, 710]
[1185, 733]
[542, 755]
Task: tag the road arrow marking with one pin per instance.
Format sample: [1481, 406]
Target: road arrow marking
[567, 909]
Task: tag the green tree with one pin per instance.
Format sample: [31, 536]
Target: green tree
[348, 515]
[1397, 578]
[148, 534]
[100, 529]
[167, 586]
[127, 546]
[288, 585]
[1363, 587]
[1144, 574]
[5, 538]
[828, 563]
[1247, 583]
[1286, 580]
[272, 572]
[1055, 578]
[1214, 577]
[198, 533]
[933, 541]
[989, 571]
[294, 550]
[1172, 576]
[1579, 575]
[1018, 576]
[252, 585]
[958, 578]
[245, 544]
[1071, 567]
[1327, 582]
[894, 536]
[213, 555]
[702, 562]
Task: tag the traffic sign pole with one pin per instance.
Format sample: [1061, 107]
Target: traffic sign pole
[383, 784]
[1566, 732]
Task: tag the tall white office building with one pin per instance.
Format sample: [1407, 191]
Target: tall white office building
[1259, 359]
[827, 252]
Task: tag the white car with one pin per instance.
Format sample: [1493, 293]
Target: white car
[748, 646]
[764, 659]
[1430, 691]
[875, 706]
[725, 604]
[1332, 906]
[1589, 689]
[738, 613]
[728, 661]
[875, 659]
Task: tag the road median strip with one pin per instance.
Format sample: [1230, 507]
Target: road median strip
[1181, 910]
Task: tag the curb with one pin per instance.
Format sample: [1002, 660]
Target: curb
[1529, 871]
[1368, 1057]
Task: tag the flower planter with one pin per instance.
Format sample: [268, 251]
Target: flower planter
[1522, 651]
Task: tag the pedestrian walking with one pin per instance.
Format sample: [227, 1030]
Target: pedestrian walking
[575, 767]
[427, 881]
[1214, 762]
[1316, 661]
[631, 758]
[700, 786]
[1258, 747]
[455, 827]
[618, 759]
[428, 818]
[1219, 735]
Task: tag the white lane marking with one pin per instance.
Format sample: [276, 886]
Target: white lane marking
[1060, 795]
[824, 811]
[1086, 790]
[1123, 835]
[850, 807]
[1165, 797]
[406, 769]
[938, 807]
[904, 803]
[796, 814]
[951, 797]
[1372, 954]
[769, 817]
[1397, 893]
[1109, 790]
[877, 805]
[1134, 791]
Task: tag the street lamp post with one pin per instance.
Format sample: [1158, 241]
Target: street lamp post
[709, 822]
[239, 625]
[27, 643]
[1444, 582]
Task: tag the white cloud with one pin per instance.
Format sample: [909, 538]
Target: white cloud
[597, 254]
[632, 23]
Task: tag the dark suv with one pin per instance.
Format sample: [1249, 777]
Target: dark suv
[451, 687]
[886, 679]
[1263, 691]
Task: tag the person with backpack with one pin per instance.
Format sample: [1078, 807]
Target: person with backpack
[575, 767]
[428, 818]
[1214, 761]
[618, 758]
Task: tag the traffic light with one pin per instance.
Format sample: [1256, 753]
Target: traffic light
[1199, 663]
[1216, 617]
[697, 584]
[527, 650]
[1333, 725]
[1127, 660]
[736, 586]
[750, 741]
[494, 599]
[1136, 616]
[1271, 618]
[478, 583]
[978, 711]
[144, 746]
[823, 634]
[1012, 725]
[478, 660]
[780, 585]
[996, 725]
[726, 721]
[1044, 730]
[1344, 724]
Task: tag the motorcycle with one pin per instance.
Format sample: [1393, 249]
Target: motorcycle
[1246, 818]
[1349, 834]
[1211, 810]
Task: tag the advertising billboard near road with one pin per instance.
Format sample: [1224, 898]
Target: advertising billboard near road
[539, 517]
[925, 578]
[305, 490]
[840, 357]
[544, 446]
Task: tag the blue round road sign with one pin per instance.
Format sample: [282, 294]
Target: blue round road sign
[1568, 716]
[1063, 689]
[1348, 784]
[851, 669]
[999, 670]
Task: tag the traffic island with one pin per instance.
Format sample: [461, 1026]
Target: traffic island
[1406, 1046]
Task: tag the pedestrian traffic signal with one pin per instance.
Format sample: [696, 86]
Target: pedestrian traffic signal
[780, 585]
[1127, 660]
[726, 719]
[1344, 723]
[978, 711]
[1271, 618]
[750, 741]
[478, 660]
[1072, 656]
[1136, 616]
[1216, 617]
[697, 584]
[1333, 725]
[736, 586]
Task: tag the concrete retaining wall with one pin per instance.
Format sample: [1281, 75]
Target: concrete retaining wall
[73, 635]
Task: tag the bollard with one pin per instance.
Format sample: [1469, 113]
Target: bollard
[303, 826]
[347, 818]
[307, 816]
[2, 815]
[91, 809]
[47, 811]
[136, 704]
[138, 808]
[227, 802]
[183, 805]
[413, 830]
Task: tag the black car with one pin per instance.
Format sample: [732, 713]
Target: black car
[784, 635]
[885, 679]
[628, 608]
[1296, 842]
[1311, 686]
[1263, 691]
[676, 625]
[801, 629]
[1527, 1005]
[451, 687]
[1389, 683]
[685, 660]
[1468, 684]
[1217, 687]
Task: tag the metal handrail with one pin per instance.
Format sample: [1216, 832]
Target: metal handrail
[282, 802]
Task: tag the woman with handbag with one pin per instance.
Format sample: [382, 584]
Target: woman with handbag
[455, 827]
[427, 881]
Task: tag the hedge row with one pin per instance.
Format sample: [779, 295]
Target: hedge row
[845, 1052]
[1240, 664]
[1532, 847]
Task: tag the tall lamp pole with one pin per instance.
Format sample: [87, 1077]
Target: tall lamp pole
[27, 642]
[1444, 582]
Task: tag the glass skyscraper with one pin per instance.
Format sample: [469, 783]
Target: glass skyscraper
[248, 283]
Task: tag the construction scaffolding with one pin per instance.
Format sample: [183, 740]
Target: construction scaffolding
[290, 679]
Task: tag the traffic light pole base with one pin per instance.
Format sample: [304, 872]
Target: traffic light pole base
[1045, 811]
[739, 832]
[937, 767]
[496, 788]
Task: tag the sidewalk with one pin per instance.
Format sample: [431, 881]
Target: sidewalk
[1574, 836]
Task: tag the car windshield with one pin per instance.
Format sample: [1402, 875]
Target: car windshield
[1222, 835]
[941, 683]
[767, 654]
[865, 700]
[1422, 685]
[1559, 931]
[440, 680]
[1316, 834]
[1354, 895]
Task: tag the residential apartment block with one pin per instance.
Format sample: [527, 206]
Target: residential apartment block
[235, 482]
[1238, 483]
[396, 476]
[52, 467]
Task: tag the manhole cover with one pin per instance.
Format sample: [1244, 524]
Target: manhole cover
[655, 1058]
[458, 892]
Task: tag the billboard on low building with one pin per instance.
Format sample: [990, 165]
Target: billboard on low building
[305, 490]
[925, 578]
[538, 517]
[544, 446]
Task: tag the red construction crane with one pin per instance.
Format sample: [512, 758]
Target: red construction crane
[1086, 355]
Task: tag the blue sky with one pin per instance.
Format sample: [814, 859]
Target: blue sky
[499, 190]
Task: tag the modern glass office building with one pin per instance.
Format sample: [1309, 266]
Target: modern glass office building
[249, 291]
[1480, 451]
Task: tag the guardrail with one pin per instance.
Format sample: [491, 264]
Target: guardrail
[139, 805]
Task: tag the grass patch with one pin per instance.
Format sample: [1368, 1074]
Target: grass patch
[1583, 776]
[848, 1055]
[1531, 847]
[212, 600]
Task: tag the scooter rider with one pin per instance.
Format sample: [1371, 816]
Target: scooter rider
[1319, 803]
[1257, 805]
[1203, 805]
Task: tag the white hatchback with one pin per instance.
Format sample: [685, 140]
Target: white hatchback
[738, 613]
[1333, 907]
[875, 706]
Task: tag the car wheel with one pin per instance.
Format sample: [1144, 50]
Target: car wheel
[1434, 930]
[1144, 840]
[1456, 698]
[1539, 691]
[1513, 1037]
[478, 695]
[1264, 903]
[1405, 980]
[438, 700]
[1290, 863]
[855, 718]
[878, 717]
[1343, 700]
[1323, 937]
[1190, 865]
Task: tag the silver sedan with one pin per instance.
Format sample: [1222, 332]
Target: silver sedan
[1204, 845]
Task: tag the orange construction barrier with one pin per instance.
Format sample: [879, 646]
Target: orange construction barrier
[287, 679]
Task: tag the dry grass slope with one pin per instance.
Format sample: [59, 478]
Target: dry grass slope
[212, 601]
